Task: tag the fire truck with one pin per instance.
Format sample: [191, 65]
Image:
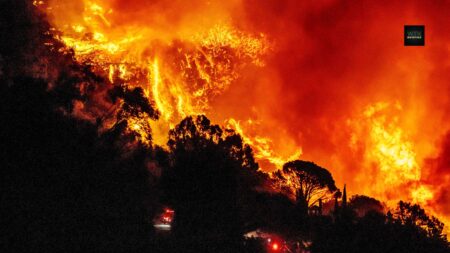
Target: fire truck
[167, 216]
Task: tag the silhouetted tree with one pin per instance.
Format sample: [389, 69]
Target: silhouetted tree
[363, 204]
[67, 187]
[405, 231]
[344, 197]
[413, 215]
[135, 103]
[210, 173]
[308, 181]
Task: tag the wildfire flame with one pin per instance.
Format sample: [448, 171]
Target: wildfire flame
[195, 59]
[387, 145]
[181, 75]
[398, 174]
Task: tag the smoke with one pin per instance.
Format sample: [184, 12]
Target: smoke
[438, 176]
[336, 59]
[338, 84]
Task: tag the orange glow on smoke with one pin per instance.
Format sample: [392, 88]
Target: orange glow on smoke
[326, 81]
[183, 73]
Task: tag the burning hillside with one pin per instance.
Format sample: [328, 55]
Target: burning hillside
[328, 81]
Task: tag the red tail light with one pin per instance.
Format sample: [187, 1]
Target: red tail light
[275, 246]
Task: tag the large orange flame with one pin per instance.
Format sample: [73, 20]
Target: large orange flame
[184, 73]
[326, 81]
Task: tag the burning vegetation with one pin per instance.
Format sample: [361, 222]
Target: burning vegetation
[118, 99]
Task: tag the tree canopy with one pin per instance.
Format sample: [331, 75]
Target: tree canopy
[363, 204]
[307, 181]
[210, 172]
[413, 215]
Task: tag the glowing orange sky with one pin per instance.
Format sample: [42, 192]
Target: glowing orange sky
[335, 58]
[331, 63]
